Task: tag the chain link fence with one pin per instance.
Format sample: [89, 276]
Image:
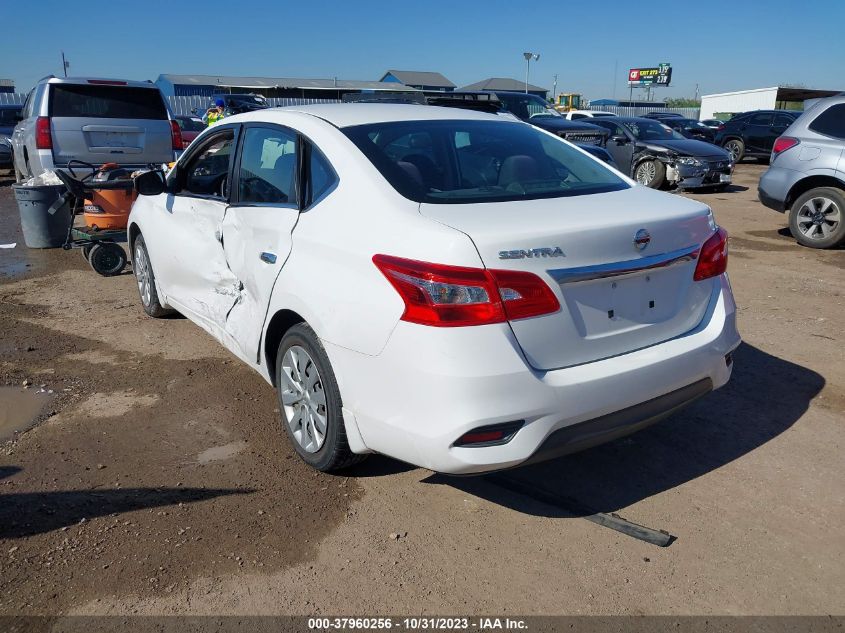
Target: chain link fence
[689, 113]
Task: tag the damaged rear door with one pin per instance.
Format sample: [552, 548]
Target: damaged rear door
[257, 226]
[191, 262]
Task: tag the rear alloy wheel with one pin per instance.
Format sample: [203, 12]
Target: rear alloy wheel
[816, 218]
[309, 401]
[736, 148]
[650, 173]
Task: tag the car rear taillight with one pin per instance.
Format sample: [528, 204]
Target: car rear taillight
[452, 296]
[43, 136]
[713, 257]
[783, 143]
[106, 82]
[176, 135]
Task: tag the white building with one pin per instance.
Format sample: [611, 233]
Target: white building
[757, 99]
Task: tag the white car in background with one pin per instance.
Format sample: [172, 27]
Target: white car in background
[450, 288]
[574, 115]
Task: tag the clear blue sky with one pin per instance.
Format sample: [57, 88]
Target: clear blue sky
[719, 45]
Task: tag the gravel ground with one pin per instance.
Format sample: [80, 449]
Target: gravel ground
[158, 481]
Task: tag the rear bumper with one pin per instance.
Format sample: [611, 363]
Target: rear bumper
[774, 187]
[429, 386]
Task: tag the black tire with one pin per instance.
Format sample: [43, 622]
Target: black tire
[654, 179]
[334, 453]
[805, 218]
[86, 250]
[141, 260]
[107, 259]
[736, 148]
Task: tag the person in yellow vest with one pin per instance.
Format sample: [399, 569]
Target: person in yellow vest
[215, 113]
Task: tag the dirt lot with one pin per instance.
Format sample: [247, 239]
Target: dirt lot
[158, 480]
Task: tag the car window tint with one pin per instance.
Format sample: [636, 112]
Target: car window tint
[106, 102]
[579, 116]
[9, 116]
[268, 167]
[207, 172]
[760, 119]
[322, 176]
[831, 122]
[784, 120]
[479, 161]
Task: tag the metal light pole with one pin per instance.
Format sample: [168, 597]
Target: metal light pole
[528, 57]
[554, 90]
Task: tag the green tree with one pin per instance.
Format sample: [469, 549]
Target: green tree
[683, 102]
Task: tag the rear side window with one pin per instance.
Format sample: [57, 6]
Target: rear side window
[831, 122]
[322, 175]
[761, 119]
[106, 102]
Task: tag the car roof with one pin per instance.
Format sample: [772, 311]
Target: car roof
[103, 81]
[350, 114]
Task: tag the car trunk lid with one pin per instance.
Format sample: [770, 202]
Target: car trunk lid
[616, 296]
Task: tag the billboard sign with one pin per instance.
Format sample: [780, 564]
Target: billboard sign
[660, 75]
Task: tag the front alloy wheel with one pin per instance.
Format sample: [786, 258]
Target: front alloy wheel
[650, 173]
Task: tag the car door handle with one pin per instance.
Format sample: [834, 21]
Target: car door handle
[268, 258]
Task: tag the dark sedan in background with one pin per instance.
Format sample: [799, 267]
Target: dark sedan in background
[754, 133]
[9, 117]
[534, 110]
[655, 155]
[690, 128]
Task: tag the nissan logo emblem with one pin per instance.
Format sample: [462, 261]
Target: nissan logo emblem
[641, 239]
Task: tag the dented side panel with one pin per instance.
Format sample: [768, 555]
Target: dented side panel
[194, 266]
[256, 243]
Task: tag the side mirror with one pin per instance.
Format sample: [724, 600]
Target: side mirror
[150, 183]
[619, 139]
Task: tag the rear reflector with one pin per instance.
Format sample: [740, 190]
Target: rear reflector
[492, 435]
[713, 258]
[176, 135]
[43, 136]
[451, 296]
[783, 143]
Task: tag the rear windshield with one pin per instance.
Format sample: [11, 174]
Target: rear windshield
[106, 102]
[454, 162]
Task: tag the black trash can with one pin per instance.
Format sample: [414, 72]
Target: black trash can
[44, 216]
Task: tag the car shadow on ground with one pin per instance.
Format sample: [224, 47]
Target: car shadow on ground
[765, 396]
[28, 513]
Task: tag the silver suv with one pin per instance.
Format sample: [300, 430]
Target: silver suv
[806, 176]
[93, 120]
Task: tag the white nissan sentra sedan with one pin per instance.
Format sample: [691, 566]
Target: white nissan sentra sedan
[453, 289]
